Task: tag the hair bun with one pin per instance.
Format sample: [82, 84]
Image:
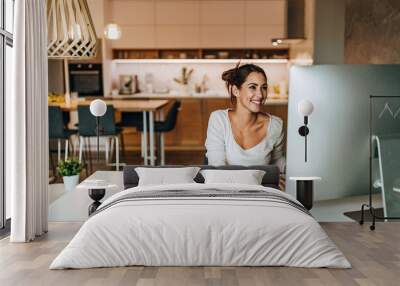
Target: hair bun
[229, 76]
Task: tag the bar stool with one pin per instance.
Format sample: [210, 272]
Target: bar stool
[58, 131]
[165, 126]
[108, 130]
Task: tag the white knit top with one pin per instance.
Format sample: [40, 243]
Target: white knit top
[222, 148]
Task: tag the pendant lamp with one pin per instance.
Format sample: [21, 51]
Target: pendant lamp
[112, 32]
[71, 32]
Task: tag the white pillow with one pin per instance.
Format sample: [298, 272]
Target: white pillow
[248, 177]
[166, 176]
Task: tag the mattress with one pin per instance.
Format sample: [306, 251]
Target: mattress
[201, 225]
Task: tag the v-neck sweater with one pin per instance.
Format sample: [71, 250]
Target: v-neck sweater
[222, 148]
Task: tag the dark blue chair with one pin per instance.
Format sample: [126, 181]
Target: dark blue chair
[59, 132]
[108, 128]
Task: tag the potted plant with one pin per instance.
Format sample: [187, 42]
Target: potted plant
[70, 170]
[184, 79]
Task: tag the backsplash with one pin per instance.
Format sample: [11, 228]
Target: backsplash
[161, 75]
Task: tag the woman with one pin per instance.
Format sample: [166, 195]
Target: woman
[245, 135]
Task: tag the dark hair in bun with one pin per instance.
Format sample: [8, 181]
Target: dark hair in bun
[238, 75]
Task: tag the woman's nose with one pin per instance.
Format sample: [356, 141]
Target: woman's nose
[259, 93]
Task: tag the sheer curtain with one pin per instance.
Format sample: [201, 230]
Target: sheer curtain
[27, 134]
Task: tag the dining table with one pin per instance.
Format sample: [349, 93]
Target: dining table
[147, 107]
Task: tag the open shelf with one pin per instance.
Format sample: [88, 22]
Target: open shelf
[208, 54]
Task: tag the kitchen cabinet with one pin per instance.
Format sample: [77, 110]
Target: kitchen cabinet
[198, 23]
[136, 37]
[177, 36]
[190, 125]
[177, 12]
[258, 36]
[130, 13]
[222, 12]
[266, 13]
[222, 36]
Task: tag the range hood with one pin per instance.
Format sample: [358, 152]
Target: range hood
[295, 12]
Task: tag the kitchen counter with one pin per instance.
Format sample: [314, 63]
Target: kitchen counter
[142, 95]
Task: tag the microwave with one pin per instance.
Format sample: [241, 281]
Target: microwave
[86, 79]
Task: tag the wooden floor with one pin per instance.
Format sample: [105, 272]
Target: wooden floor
[374, 255]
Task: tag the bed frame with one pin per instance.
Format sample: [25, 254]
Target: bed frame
[270, 179]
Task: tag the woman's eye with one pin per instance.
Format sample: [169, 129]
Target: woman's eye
[252, 87]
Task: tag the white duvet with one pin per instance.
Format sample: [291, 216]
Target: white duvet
[200, 231]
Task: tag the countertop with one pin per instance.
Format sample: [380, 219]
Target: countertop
[143, 95]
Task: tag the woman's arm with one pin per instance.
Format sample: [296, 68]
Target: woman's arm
[215, 143]
[277, 155]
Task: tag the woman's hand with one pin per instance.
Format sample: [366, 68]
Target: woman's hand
[282, 182]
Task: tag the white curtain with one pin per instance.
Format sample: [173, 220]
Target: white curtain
[26, 118]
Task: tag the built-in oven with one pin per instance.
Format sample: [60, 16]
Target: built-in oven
[86, 79]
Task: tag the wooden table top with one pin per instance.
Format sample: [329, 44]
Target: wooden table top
[119, 105]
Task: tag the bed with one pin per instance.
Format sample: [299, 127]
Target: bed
[198, 224]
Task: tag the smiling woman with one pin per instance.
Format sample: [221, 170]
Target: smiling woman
[245, 135]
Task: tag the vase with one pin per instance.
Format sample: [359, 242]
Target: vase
[185, 89]
[70, 182]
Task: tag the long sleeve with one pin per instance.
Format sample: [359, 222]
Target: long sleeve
[215, 144]
[278, 153]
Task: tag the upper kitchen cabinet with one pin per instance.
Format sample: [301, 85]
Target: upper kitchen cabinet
[265, 20]
[198, 24]
[222, 36]
[177, 12]
[177, 24]
[128, 13]
[222, 24]
[136, 19]
[260, 36]
[177, 36]
[141, 37]
[222, 12]
[266, 13]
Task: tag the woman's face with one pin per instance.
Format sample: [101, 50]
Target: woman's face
[253, 92]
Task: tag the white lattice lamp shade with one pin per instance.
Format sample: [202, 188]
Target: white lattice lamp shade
[71, 32]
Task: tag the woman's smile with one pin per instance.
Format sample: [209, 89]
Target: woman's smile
[256, 101]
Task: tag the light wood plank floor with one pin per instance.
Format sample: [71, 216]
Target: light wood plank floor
[375, 256]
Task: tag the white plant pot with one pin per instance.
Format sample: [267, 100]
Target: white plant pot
[185, 89]
[70, 182]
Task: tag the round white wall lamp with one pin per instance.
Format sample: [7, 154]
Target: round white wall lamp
[305, 108]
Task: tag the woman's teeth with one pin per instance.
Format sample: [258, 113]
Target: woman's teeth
[255, 101]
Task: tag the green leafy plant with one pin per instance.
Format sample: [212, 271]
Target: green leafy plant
[70, 167]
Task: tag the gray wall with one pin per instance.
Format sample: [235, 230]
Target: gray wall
[329, 31]
[339, 126]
